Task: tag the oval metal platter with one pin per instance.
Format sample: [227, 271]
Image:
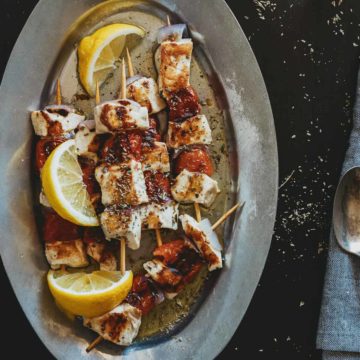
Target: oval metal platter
[43, 53]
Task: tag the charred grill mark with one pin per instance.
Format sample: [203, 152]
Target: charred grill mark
[115, 119]
[144, 294]
[124, 102]
[114, 325]
[157, 186]
[181, 255]
[61, 112]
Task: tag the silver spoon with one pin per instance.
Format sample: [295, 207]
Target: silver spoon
[346, 212]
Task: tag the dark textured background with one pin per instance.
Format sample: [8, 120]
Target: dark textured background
[308, 51]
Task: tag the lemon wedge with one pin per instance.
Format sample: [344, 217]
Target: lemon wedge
[98, 52]
[91, 294]
[64, 187]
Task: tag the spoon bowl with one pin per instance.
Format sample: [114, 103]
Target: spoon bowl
[346, 212]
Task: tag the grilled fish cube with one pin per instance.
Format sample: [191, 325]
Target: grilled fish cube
[160, 216]
[55, 120]
[145, 91]
[120, 325]
[120, 223]
[101, 254]
[156, 158]
[70, 253]
[195, 130]
[194, 187]
[86, 143]
[205, 240]
[120, 115]
[122, 184]
[168, 279]
[175, 59]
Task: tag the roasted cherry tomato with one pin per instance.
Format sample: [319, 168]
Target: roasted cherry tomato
[121, 147]
[194, 160]
[55, 228]
[144, 295]
[183, 104]
[157, 186]
[44, 147]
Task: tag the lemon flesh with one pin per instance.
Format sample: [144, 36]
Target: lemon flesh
[64, 187]
[98, 53]
[89, 295]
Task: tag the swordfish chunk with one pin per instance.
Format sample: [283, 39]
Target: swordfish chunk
[182, 255]
[204, 239]
[118, 223]
[120, 325]
[160, 216]
[145, 91]
[192, 187]
[99, 249]
[175, 264]
[192, 131]
[168, 279]
[120, 115]
[122, 184]
[55, 120]
[156, 158]
[87, 143]
[175, 59]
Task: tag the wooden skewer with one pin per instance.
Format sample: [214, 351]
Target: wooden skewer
[58, 92]
[122, 94]
[226, 215]
[122, 256]
[168, 20]
[197, 211]
[129, 61]
[122, 241]
[158, 237]
[97, 93]
[97, 341]
[131, 73]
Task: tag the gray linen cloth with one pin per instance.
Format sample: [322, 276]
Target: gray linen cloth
[339, 324]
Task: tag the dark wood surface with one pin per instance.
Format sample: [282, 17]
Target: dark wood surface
[308, 51]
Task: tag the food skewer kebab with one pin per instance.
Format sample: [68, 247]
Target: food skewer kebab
[120, 310]
[140, 91]
[180, 262]
[188, 132]
[55, 124]
[118, 173]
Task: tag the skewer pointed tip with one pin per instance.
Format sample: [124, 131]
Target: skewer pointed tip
[226, 215]
[94, 343]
